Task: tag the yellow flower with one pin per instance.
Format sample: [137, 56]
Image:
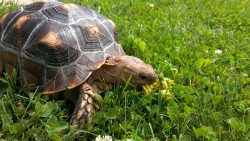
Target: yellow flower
[166, 94]
[163, 84]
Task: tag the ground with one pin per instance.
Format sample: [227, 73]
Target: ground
[204, 46]
[20, 2]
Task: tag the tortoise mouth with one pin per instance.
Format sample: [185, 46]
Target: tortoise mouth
[136, 86]
[139, 88]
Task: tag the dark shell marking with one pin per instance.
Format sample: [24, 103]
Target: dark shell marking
[55, 46]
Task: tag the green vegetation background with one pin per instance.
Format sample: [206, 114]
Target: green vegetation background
[211, 95]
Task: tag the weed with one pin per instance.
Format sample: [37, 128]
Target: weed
[181, 39]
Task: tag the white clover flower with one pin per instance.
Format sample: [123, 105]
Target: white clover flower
[103, 138]
[151, 5]
[140, 25]
[244, 75]
[99, 9]
[218, 52]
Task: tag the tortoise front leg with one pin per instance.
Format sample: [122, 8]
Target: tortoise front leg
[85, 106]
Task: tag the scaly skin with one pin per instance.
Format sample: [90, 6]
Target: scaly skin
[85, 106]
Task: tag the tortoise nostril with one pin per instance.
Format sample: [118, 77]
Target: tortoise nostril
[143, 76]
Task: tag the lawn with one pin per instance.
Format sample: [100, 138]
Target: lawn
[203, 45]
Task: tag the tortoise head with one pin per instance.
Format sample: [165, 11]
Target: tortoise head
[118, 69]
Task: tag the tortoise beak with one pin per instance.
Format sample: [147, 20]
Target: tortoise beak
[152, 78]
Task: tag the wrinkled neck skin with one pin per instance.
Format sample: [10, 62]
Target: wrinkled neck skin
[107, 74]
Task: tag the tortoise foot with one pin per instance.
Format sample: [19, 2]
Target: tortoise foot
[85, 106]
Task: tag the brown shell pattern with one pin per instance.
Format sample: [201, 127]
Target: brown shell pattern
[55, 46]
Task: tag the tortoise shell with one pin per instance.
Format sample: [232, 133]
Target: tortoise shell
[54, 45]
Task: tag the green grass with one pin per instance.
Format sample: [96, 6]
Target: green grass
[211, 95]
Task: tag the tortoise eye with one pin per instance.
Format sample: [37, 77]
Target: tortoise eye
[142, 76]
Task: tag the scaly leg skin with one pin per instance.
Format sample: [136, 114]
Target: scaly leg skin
[85, 106]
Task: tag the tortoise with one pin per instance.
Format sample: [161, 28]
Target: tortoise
[58, 47]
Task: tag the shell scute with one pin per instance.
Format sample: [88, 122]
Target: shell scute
[56, 14]
[111, 29]
[54, 85]
[34, 7]
[88, 13]
[18, 34]
[10, 61]
[106, 34]
[92, 60]
[86, 41]
[75, 76]
[47, 44]
[67, 37]
[54, 80]
[51, 39]
[33, 71]
[65, 13]
[7, 19]
[54, 56]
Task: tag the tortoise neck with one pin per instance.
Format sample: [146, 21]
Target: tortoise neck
[107, 74]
